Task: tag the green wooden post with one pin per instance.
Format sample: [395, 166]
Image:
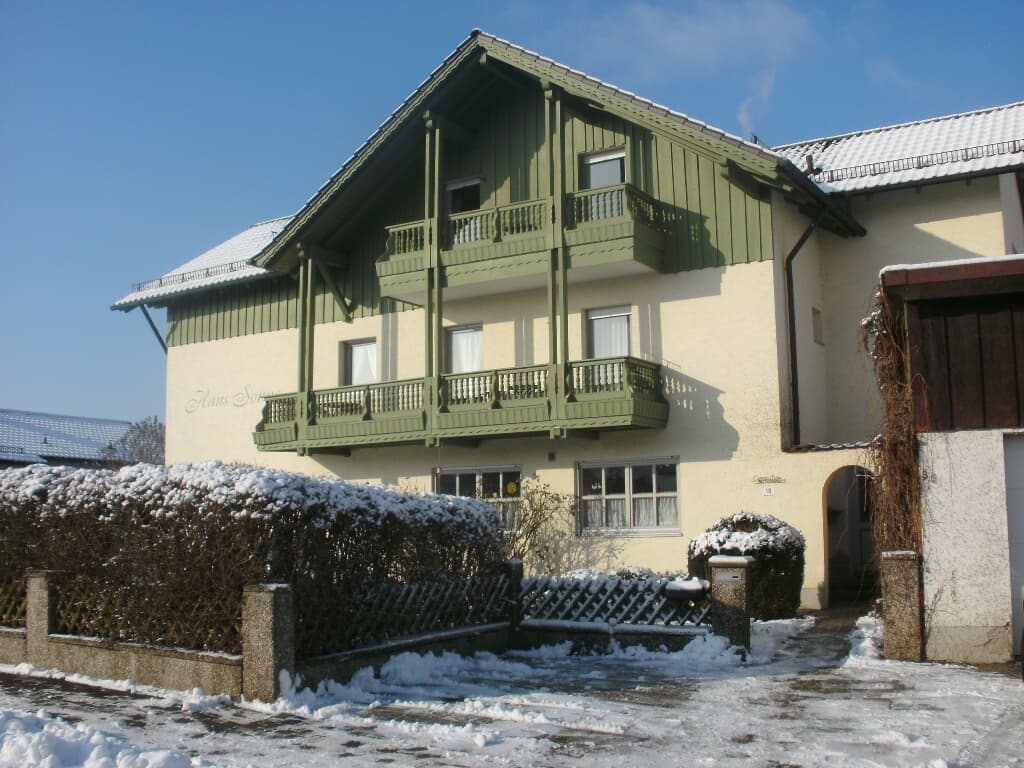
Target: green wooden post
[563, 266]
[554, 388]
[429, 392]
[439, 216]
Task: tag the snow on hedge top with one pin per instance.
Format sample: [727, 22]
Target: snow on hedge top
[248, 491]
[747, 533]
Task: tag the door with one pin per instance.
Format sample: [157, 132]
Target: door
[1015, 528]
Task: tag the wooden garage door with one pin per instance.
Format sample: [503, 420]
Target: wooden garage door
[1015, 512]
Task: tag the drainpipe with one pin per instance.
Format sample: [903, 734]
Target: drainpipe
[794, 378]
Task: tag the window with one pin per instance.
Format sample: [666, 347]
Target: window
[360, 362]
[629, 495]
[460, 197]
[499, 486]
[817, 326]
[465, 352]
[603, 169]
[608, 332]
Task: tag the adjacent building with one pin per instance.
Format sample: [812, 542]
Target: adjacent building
[526, 271]
[46, 438]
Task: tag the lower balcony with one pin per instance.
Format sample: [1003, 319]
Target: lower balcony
[604, 394]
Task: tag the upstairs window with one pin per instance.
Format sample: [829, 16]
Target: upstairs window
[462, 197]
[608, 332]
[360, 362]
[465, 352]
[602, 169]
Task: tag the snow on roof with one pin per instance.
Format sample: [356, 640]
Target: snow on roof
[1010, 257]
[27, 437]
[228, 262]
[968, 142]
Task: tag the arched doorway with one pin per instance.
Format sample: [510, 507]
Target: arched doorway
[852, 568]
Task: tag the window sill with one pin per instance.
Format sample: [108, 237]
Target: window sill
[632, 533]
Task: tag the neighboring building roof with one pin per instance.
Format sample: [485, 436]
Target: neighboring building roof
[26, 437]
[965, 143]
[229, 262]
[955, 278]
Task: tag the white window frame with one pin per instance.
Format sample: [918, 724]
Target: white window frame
[601, 313]
[346, 361]
[630, 529]
[506, 504]
[592, 158]
[449, 332]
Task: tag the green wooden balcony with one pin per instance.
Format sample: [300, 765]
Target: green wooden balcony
[604, 394]
[618, 228]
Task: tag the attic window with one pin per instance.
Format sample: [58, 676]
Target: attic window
[602, 169]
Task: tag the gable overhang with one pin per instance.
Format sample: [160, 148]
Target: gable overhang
[754, 163]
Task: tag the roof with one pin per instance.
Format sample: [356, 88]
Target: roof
[956, 278]
[697, 131]
[226, 263]
[909, 153]
[27, 437]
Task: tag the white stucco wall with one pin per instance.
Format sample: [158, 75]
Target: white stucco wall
[713, 331]
[967, 589]
[937, 222]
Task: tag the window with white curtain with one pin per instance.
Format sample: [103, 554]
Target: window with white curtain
[639, 494]
[608, 332]
[465, 349]
[360, 365]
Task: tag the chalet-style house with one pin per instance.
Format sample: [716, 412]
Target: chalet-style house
[527, 271]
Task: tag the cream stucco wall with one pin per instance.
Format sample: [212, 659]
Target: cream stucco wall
[713, 331]
[967, 587]
[937, 222]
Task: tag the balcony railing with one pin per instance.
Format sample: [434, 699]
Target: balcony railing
[405, 238]
[610, 393]
[494, 387]
[614, 202]
[495, 224]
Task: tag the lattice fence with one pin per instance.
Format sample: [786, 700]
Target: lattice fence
[93, 607]
[12, 603]
[613, 600]
[332, 622]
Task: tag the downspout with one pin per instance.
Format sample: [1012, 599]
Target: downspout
[152, 325]
[794, 378]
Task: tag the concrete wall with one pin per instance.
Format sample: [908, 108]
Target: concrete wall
[938, 222]
[967, 595]
[1013, 213]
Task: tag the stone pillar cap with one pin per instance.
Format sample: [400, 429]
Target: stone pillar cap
[731, 561]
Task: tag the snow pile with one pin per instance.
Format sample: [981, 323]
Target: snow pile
[40, 740]
[865, 640]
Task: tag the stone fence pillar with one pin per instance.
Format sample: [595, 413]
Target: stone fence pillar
[730, 597]
[268, 639]
[39, 621]
[902, 616]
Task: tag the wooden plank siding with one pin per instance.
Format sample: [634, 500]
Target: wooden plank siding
[710, 221]
[967, 363]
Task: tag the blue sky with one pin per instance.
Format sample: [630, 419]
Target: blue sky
[135, 135]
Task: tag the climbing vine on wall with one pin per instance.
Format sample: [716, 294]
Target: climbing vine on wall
[896, 492]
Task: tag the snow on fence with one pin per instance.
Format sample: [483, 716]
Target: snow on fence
[653, 603]
[334, 622]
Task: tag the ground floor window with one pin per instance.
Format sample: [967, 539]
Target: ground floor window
[625, 495]
[499, 486]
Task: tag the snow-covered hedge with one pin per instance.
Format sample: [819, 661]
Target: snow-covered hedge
[778, 551]
[195, 534]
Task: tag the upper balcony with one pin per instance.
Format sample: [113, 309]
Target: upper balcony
[609, 232]
[603, 394]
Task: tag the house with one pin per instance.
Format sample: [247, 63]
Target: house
[46, 438]
[528, 271]
[964, 344]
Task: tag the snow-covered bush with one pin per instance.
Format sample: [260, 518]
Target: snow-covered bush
[189, 537]
[778, 552]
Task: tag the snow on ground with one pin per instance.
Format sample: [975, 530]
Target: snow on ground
[806, 695]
